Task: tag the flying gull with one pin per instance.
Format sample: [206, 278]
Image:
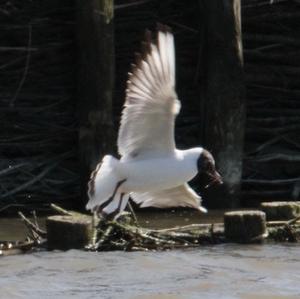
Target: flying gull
[151, 170]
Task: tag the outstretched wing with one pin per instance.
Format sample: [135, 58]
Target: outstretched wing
[147, 123]
[181, 196]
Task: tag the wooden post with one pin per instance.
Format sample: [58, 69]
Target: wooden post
[95, 82]
[281, 210]
[69, 232]
[223, 106]
[245, 226]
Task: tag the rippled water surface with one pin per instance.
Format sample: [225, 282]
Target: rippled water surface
[223, 271]
[216, 272]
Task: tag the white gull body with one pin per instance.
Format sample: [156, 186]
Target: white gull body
[151, 170]
[160, 173]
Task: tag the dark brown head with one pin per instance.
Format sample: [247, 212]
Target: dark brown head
[207, 169]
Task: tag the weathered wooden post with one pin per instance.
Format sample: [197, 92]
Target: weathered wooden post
[95, 82]
[69, 232]
[281, 210]
[223, 91]
[245, 226]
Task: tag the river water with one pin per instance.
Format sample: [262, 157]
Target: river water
[269, 271]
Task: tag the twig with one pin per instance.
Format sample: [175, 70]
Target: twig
[293, 221]
[32, 226]
[31, 182]
[35, 218]
[136, 3]
[5, 207]
[271, 181]
[12, 168]
[187, 227]
[19, 48]
[133, 214]
[60, 210]
[12, 102]
[279, 156]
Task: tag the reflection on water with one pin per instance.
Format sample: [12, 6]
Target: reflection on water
[224, 271]
[12, 229]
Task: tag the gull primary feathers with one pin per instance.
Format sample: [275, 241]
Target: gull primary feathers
[151, 170]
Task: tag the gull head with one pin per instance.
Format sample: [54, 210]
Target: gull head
[207, 169]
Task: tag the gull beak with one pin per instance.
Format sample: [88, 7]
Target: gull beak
[215, 179]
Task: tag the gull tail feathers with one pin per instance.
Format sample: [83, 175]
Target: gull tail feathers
[103, 185]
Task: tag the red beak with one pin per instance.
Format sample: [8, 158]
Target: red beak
[216, 179]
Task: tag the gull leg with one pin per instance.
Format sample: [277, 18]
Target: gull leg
[116, 213]
[122, 205]
[110, 199]
[94, 228]
[133, 214]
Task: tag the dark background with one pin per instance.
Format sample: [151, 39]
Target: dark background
[38, 95]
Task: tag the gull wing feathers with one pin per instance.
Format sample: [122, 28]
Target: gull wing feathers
[147, 123]
[181, 196]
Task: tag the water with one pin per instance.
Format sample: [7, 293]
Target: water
[220, 271]
[224, 271]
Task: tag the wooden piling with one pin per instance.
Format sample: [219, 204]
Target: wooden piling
[245, 226]
[281, 210]
[95, 82]
[223, 104]
[69, 232]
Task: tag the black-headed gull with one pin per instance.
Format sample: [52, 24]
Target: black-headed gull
[151, 170]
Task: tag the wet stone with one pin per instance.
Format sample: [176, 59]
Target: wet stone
[245, 226]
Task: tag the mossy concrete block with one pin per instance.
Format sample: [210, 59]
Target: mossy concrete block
[281, 210]
[69, 232]
[245, 226]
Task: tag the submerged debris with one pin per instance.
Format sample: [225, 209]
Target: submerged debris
[35, 239]
[15, 247]
[286, 231]
[124, 234]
